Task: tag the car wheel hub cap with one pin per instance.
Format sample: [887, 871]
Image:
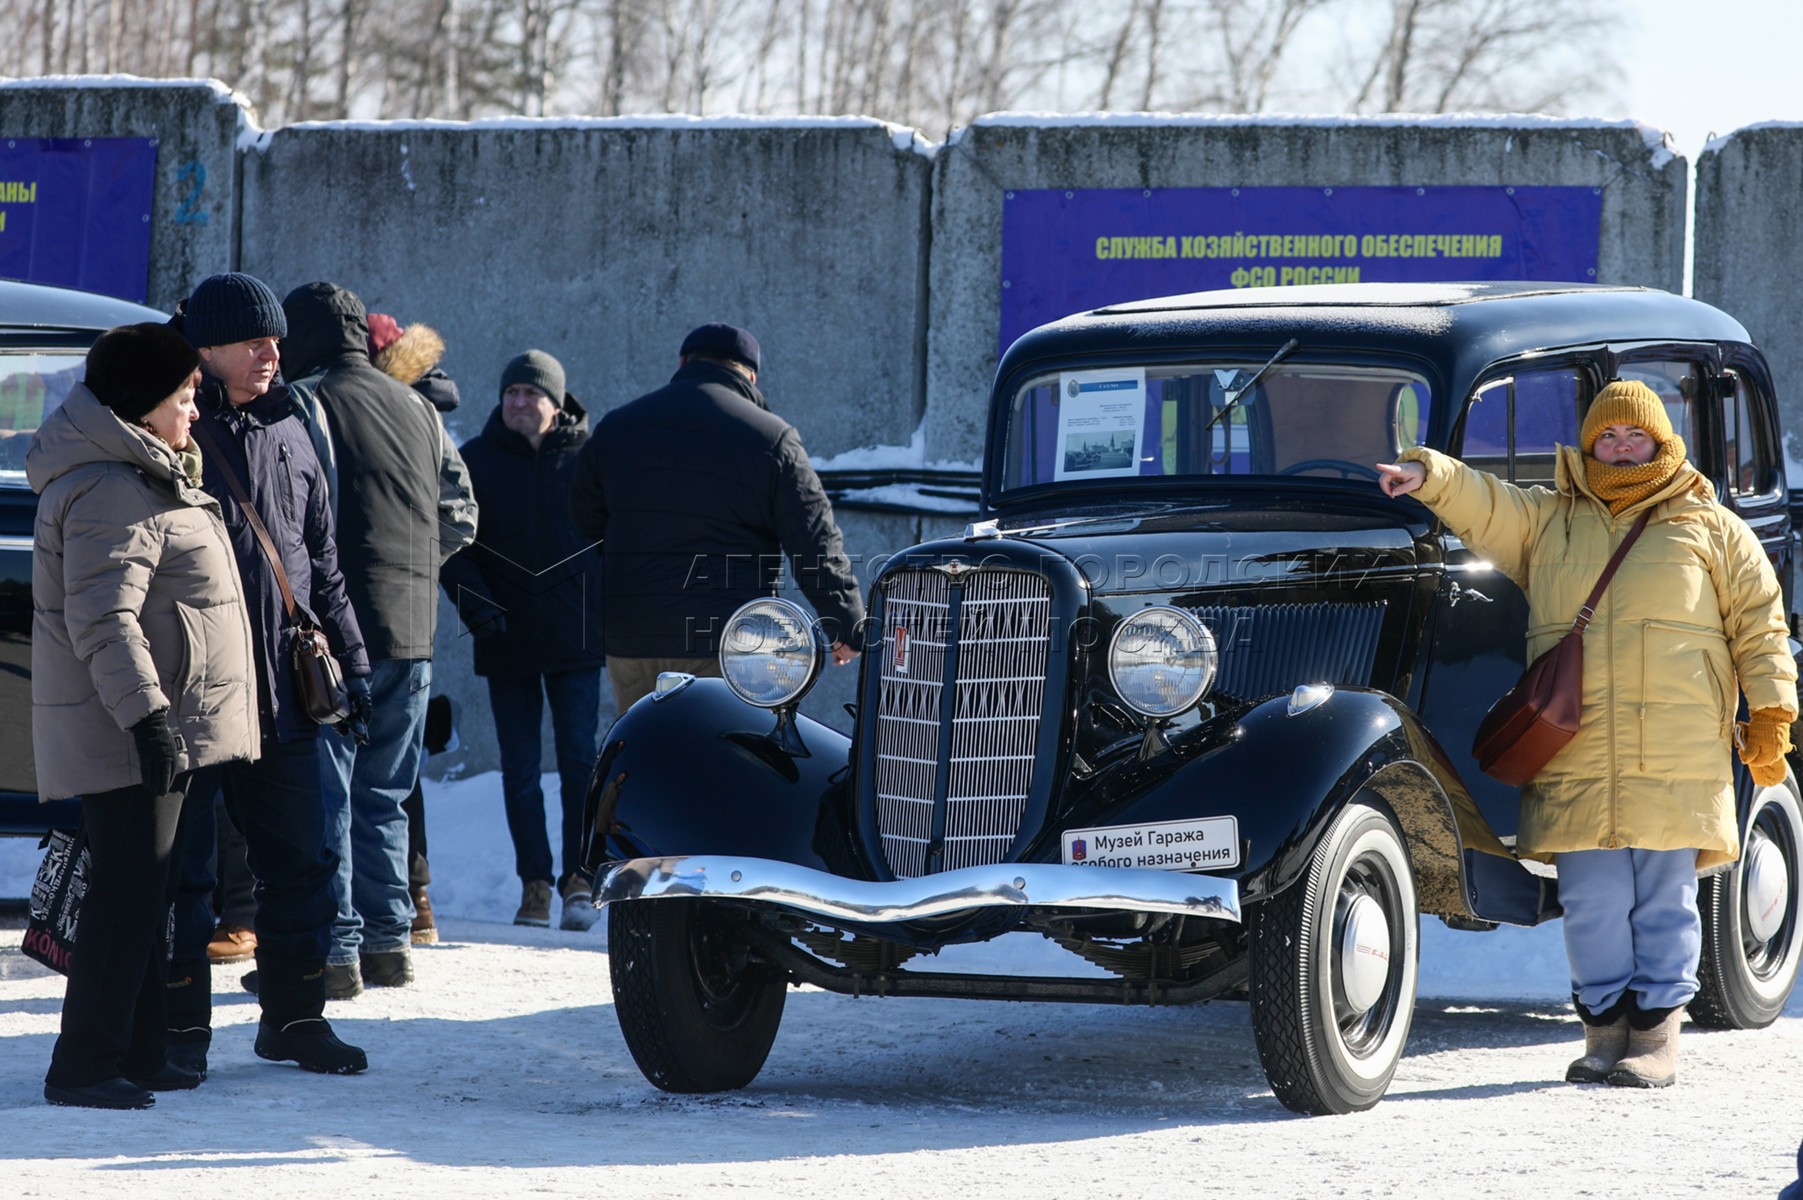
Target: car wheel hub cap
[1364, 953]
[1767, 888]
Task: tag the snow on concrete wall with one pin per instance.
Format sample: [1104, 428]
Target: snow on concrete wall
[196, 125]
[1748, 252]
[604, 242]
[1643, 185]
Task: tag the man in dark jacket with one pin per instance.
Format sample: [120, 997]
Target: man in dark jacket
[250, 439]
[695, 491]
[388, 444]
[529, 589]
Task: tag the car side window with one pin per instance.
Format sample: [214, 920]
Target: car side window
[1680, 385]
[32, 386]
[1752, 471]
[1514, 424]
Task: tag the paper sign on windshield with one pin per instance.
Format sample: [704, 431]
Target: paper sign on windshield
[1100, 419]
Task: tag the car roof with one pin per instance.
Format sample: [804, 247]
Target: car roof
[1461, 326]
[36, 306]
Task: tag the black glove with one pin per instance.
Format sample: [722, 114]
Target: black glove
[490, 623]
[356, 726]
[156, 752]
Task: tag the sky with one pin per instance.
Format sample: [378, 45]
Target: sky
[1694, 68]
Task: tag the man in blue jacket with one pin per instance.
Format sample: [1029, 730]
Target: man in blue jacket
[251, 440]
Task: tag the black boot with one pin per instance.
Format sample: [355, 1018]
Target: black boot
[293, 1028]
[172, 1078]
[108, 1093]
[190, 1016]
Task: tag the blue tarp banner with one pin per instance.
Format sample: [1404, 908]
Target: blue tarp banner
[1068, 251]
[75, 212]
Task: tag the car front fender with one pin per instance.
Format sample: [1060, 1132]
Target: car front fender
[699, 771]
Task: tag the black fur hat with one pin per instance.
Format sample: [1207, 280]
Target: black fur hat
[134, 368]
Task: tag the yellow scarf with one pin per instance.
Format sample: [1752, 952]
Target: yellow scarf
[1621, 488]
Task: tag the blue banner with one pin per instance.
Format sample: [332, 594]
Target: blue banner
[1069, 251]
[75, 212]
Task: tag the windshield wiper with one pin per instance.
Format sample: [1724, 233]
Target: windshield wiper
[1233, 400]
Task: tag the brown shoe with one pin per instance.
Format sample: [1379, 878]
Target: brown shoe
[535, 904]
[425, 932]
[232, 943]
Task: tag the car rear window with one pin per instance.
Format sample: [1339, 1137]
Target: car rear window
[1315, 420]
[32, 385]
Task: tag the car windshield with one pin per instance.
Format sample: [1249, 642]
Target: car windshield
[1190, 420]
[32, 384]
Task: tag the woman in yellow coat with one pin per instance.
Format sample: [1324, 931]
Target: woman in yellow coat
[1642, 799]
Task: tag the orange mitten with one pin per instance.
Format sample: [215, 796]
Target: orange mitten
[1764, 741]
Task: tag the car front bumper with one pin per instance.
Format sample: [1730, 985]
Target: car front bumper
[1004, 885]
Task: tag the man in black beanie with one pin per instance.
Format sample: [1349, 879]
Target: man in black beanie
[251, 440]
[695, 491]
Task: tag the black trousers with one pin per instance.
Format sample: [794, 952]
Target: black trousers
[113, 1007]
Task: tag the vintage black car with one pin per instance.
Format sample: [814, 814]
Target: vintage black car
[45, 333]
[1193, 700]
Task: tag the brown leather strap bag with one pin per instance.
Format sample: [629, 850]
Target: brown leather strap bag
[318, 678]
[1535, 718]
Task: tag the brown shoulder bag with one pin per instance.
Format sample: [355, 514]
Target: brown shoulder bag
[1535, 718]
[318, 678]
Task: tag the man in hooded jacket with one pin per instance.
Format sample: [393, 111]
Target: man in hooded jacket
[388, 444]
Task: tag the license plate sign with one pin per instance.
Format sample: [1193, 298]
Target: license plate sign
[1202, 844]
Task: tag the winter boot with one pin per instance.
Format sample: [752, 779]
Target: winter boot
[1651, 1060]
[108, 1093]
[293, 1029]
[387, 968]
[424, 931]
[189, 1005]
[173, 1077]
[310, 1043]
[1605, 1041]
[343, 981]
[535, 904]
[579, 911]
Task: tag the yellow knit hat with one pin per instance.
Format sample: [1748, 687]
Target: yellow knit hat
[1625, 402]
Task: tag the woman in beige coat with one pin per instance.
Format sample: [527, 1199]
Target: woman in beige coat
[141, 673]
[1643, 797]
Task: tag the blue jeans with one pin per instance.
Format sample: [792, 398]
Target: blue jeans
[518, 703]
[1631, 924]
[276, 804]
[365, 787]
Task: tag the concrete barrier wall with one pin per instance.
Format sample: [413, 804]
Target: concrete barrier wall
[194, 215]
[603, 242]
[1748, 254]
[1642, 235]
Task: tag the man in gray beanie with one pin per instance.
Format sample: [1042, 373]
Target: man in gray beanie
[252, 441]
[529, 590]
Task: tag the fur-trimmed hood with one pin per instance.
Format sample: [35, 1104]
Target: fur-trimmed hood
[411, 355]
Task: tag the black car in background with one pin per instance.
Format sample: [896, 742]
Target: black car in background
[1194, 700]
[45, 333]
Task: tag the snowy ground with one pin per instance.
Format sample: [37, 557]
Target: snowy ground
[502, 1073]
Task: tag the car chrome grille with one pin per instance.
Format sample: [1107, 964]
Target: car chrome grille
[1268, 649]
[992, 628]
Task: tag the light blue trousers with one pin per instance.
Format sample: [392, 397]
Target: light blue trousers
[1631, 924]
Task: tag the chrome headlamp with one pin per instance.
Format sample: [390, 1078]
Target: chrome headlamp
[769, 655]
[1161, 661]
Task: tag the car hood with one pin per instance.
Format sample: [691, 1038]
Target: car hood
[1177, 547]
